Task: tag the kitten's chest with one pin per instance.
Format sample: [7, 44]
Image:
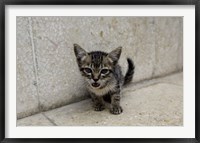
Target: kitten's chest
[103, 91]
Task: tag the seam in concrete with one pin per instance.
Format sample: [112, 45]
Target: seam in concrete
[35, 64]
[152, 84]
[155, 49]
[152, 81]
[144, 86]
[173, 84]
[50, 120]
[154, 78]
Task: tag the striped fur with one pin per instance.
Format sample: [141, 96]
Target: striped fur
[103, 76]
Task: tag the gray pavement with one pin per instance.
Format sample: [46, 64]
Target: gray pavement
[156, 102]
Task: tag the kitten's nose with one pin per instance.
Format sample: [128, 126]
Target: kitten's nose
[95, 79]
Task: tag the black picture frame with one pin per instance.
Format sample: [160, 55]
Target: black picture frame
[99, 2]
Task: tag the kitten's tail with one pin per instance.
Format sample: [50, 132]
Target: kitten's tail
[129, 74]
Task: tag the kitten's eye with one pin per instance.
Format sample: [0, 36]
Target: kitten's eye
[104, 71]
[87, 70]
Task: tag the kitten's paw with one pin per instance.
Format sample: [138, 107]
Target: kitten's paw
[116, 110]
[99, 107]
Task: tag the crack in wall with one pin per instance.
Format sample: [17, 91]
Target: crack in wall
[35, 64]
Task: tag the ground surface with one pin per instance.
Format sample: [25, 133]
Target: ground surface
[156, 102]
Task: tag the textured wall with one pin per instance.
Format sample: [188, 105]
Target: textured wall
[47, 74]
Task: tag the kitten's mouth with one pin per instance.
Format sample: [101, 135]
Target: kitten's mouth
[95, 84]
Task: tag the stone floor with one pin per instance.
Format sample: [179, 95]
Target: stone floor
[156, 102]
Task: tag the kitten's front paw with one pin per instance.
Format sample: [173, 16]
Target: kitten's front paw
[116, 110]
[99, 107]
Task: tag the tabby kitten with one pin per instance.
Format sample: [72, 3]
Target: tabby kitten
[103, 76]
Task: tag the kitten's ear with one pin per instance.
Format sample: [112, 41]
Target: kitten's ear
[79, 52]
[115, 55]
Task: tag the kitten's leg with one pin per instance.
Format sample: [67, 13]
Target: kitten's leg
[98, 103]
[115, 104]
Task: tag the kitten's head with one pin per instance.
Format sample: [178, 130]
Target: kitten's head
[97, 67]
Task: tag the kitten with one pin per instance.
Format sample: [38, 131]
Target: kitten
[103, 76]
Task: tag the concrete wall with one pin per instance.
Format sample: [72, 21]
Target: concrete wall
[47, 73]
